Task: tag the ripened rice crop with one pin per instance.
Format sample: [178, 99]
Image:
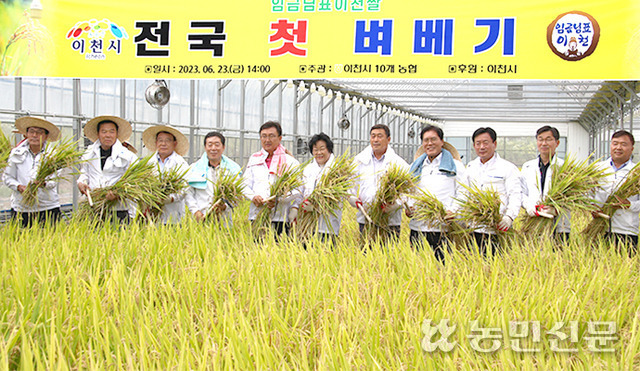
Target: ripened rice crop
[202, 297]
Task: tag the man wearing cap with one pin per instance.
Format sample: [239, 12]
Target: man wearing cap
[203, 175]
[371, 164]
[169, 145]
[439, 172]
[22, 168]
[106, 159]
[262, 170]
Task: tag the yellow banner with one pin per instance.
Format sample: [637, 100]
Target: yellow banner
[318, 39]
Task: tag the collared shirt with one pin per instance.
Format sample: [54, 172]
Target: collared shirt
[444, 188]
[22, 167]
[312, 174]
[370, 171]
[174, 211]
[502, 176]
[535, 188]
[104, 154]
[257, 182]
[623, 221]
[93, 174]
[543, 172]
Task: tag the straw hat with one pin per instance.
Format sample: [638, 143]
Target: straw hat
[149, 138]
[448, 146]
[23, 123]
[124, 127]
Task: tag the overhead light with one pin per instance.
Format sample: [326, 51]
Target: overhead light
[322, 91]
[329, 93]
[289, 83]
[313, 87]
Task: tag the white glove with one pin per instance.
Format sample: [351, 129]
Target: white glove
[293, 214]
[356, 202]
[505, 223]
[306, 206]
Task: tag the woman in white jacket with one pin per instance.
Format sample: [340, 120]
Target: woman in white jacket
[321, 147]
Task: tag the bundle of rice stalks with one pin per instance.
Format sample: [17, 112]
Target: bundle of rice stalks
[62, 155]
[393, 184]
[139, 184]
[5, 150]
[329, 195]
[429, 209]
[480, 207]
[571, 183]
[629, 187]
[27, 50]
[289, 179]
[171, 182]
[227, 189]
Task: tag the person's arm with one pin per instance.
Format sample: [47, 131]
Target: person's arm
[10, 176]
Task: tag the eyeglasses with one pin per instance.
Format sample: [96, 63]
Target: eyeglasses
[36, 131]
[431, 140]
[270, 136]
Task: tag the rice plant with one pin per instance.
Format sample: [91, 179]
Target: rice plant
[195, 297]
[629, 187]
[332, 189]
[139, 184]
[430, 210]
[395, 182]
[65, 154]
[571, 185]
[480, 207]
[5, 150]
[228, 189]
[290, 179]
[171, 182]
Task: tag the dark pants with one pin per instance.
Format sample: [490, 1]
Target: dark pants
[486, 241]
[122, 217]
[627, 240]
[434, 239]
[279, 228]
[41, 217]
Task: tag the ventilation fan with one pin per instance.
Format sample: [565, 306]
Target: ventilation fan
[157, 94]
[344, 123]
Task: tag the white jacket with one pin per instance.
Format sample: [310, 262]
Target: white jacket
[531, 190]
[114, 168]
[312, 174]
[502, 176]
[201, 199]
[443, 187]
[369, 171]
[174, 211]
[257, 181]
[623, 221]
[22, 168]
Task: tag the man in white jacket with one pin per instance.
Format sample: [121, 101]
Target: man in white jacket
[262, 170]
[489, 170]
[439, 173]
[371, 164]
[169, 145]
[203, 175]
[623, 226]
[22, 167]
[107, 159]
[536, 176]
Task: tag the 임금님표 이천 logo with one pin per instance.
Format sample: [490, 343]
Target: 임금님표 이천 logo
[573, 36]
[93, 38]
